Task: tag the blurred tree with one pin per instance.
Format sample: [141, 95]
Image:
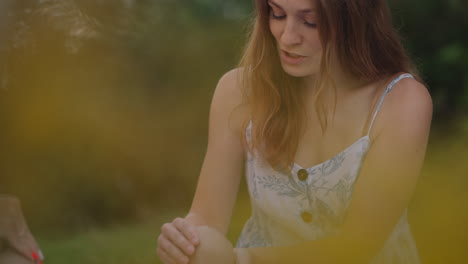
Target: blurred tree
[221, 9]
[103, 93]
[97, 107]
[436, 36]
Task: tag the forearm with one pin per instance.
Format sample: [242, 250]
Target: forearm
[199, 219]
[195, 219]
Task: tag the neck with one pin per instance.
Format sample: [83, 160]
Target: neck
[345, 84]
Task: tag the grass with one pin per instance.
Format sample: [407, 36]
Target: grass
[438, 213]
[131, 244]
[128, 244]
[438, 217]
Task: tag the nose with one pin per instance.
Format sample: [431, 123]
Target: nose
[290, 35]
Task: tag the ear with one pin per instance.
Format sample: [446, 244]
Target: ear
[214, 248]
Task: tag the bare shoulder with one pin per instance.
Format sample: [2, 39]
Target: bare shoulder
[411, 91]
[408, 106]
[410, 98]
[228, 98]
[230, 82]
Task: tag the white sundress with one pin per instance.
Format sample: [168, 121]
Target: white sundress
[313, 203]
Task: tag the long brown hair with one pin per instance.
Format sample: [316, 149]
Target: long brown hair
[372, 51]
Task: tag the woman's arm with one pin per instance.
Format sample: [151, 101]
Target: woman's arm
[222, 168]
[386, 183]
[219, 179]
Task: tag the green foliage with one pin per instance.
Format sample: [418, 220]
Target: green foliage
[434, 33]
[129, 244]
[101, 129]
[104, 107]
[125, 245]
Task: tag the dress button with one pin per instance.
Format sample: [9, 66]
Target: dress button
[307, 217]
[302, 174]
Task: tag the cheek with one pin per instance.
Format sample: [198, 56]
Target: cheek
[314, 43]
[315, 51]
[275, 29]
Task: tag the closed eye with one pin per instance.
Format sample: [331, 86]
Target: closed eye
[308, 24]
[277, 17]
[312, 25]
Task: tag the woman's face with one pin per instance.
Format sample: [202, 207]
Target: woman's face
[294, 26]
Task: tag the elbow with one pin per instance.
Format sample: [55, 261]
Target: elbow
[213, 247]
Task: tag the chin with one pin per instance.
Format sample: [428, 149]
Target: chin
[299, 71]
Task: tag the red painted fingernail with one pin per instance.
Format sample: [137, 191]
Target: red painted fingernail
[37, 257]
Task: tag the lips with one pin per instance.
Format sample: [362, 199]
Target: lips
[293, 55]
[291, 58]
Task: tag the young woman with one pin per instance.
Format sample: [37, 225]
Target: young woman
[331, 122]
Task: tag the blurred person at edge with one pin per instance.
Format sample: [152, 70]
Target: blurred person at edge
[314, 76]
[17, 244]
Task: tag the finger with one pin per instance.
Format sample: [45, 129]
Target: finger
[11, 214]
[19, 237]
[187, 229]
[164, 256]
[172, 233]
[9, 256]
[176, 254]
[25, 245]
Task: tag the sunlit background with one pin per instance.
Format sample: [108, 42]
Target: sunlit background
[104, 115]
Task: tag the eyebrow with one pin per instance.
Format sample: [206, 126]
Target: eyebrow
[302, 11]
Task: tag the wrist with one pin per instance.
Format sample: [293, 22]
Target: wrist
[195, 219]
[242, 256]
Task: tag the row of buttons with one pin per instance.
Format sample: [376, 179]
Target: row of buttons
[302, 174]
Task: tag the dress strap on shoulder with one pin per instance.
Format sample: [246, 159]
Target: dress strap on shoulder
[248, 130]
[387, 90]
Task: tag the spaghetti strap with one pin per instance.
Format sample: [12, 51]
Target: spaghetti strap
[387, 90]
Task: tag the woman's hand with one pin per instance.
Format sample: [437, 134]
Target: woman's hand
[15, 234]
[177, 241]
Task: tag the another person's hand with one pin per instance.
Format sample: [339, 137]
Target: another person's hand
[177, 242]
[15, 235]
[10, 256]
